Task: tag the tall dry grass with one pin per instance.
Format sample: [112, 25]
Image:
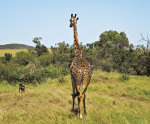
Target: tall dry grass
[13, 51]
[108, 101]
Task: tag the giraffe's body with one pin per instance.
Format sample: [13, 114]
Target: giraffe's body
[80, 70]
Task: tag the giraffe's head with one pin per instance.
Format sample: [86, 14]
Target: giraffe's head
[72, 20]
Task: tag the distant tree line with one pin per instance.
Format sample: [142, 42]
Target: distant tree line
[111, 52]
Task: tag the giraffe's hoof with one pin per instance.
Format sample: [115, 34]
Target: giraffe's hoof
[85, 113]
[73, 95]
[80, 116]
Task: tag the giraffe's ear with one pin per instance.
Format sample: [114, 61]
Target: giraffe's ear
[77, 19]
[71, 15]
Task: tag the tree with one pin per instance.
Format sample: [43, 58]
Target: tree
[8, 56]
[63, 47]
[148, 41]
[113, 39]
[40, 49]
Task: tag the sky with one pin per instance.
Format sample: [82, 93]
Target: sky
[23, 20]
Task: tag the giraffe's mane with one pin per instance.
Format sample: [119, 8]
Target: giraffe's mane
[76, 37]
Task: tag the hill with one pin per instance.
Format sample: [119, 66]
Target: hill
[15, 46]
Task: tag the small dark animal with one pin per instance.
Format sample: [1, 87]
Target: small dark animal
[22, 88]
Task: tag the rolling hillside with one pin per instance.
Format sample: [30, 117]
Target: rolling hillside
[15, 46]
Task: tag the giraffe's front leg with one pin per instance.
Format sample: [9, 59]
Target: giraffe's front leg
[73, 103]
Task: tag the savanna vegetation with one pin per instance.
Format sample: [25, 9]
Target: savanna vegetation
[119, 91]
[111, 52]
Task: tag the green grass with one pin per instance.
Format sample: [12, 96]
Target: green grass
[108, 101]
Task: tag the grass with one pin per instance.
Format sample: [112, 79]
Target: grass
[108, 101]
[13, 51]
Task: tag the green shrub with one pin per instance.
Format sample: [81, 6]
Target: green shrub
[123, 78]
[31, 51]
[52, 72]
[107, 65]
[10, 72]
[23, 58]
[62, 57]
[13, 76]
[8, 56]
[132, 71]
[40, 77]
[3, 60]
[64, 71]
[46, 60]
[33, 71]
[3, 71]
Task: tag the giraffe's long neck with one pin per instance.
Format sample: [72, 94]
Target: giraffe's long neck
[78, 51]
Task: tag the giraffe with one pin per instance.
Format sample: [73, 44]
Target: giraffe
[80, 71]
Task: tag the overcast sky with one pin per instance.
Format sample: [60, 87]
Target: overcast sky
[22, 20]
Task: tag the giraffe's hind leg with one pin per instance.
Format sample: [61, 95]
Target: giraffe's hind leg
[73, 95]
[78, 105]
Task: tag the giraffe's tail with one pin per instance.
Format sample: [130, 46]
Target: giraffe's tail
[75, 95]
[78, 92]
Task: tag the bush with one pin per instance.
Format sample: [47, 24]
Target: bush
[13, 76]
[3, 60]
[23, 58]
[52, 72]
[123, 78]
[31, 51]
[8, 56]
[46, 60]
[132, 71]
[33, 71]
[64, 71]
[107, 65]
[3, 71]
[62, 57]
[40, 77]
[11, 72]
